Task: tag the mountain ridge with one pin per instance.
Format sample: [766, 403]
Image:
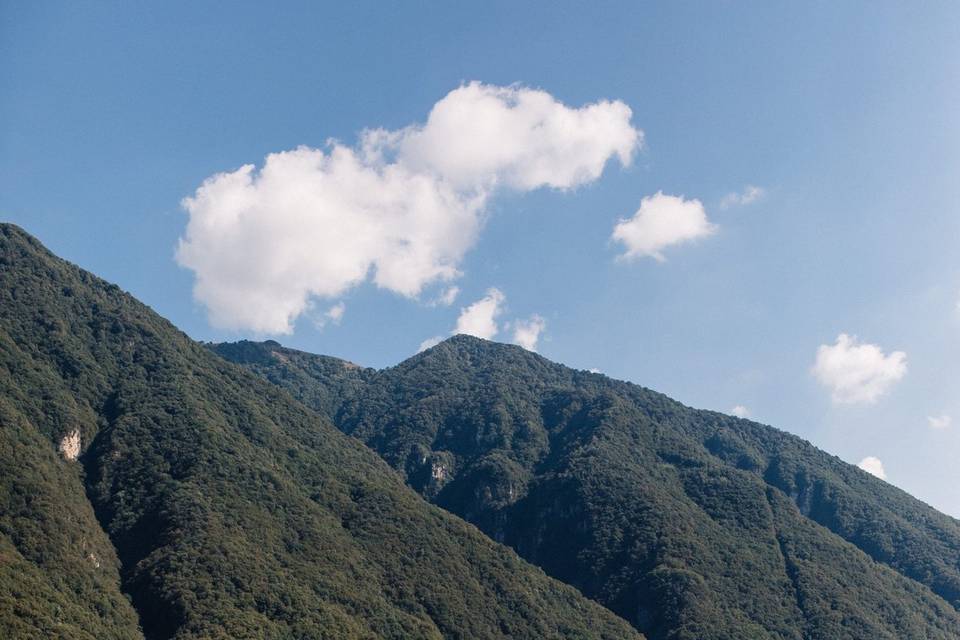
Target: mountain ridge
[516, 444]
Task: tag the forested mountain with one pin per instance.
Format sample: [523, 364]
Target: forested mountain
[689, 524]
[149, 488]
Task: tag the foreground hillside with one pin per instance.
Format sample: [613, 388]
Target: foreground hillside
[149, 488]
[690, 524]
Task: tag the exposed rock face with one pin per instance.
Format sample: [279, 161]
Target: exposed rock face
[70, 445]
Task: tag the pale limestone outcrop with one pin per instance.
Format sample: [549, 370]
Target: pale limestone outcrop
[70, 445]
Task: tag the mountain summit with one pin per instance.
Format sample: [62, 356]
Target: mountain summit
[687, 523]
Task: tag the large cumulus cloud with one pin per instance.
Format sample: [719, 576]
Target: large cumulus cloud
[401, 207]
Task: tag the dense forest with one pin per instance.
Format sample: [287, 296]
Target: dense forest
[151, 489]
[689, 524]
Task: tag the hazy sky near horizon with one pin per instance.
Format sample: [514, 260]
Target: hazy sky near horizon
[752, 207]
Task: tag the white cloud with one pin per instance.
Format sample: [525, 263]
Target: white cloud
[749, 195]
[447, 297]
[939, 422]
[480, 136]
[316, 224]
[662, 221]
[480, 318]
[526, 333]
[857, 373]
[335, 313]
[873, 466]
[401, 208]
[430, 342]
[740, 411]
[594, 370]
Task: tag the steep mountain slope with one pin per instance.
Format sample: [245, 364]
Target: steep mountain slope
[58, 571]
[690, 524]
[221, 506]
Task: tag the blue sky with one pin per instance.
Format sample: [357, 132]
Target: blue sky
[844, 116]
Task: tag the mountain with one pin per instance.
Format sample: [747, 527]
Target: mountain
[151, 489]
[690, 524]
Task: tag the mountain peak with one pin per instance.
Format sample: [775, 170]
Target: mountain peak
[9, 228]
[14, 235]
[476, 351]
[468, 341]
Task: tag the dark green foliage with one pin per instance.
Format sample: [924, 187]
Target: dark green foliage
[219, 504]
[690, 524]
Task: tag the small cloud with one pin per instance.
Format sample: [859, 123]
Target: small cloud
[333, 315]
[480, 318]
[447, 297]
[594, 370]
[939, 422]
[429, 342]
[749, 195]
[857, 373]
[740, 411]
[873, 466]
[662, 221]
[526, 333]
